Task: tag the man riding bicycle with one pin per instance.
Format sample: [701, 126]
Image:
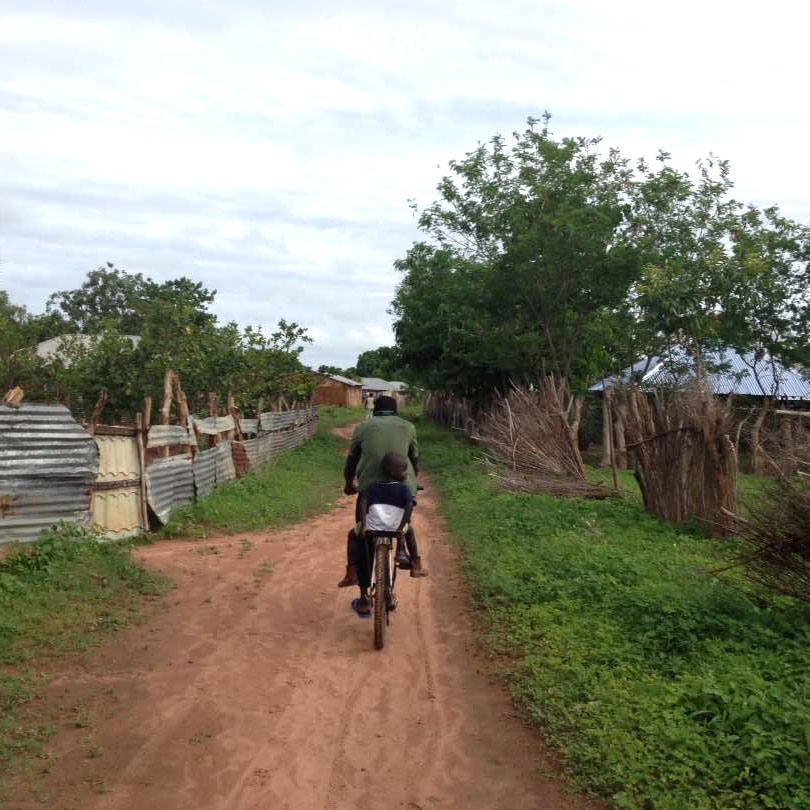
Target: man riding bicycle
[384, 433]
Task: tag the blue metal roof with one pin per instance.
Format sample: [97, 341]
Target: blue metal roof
[729, 371]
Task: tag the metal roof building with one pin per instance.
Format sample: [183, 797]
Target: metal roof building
[729, 371]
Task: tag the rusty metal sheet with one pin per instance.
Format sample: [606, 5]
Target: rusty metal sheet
[205, 472]
[252, 450]
[116, 513]
[241, 462]
[168, 436]
[47, 465]
[225, 469]
[213, 425]
[169, 484]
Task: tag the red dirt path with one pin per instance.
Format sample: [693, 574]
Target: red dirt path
[255, 687]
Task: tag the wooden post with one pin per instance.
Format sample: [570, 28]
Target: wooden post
[147, 417]
[607, 432]
[213, 441]
[230, 409]
[165, 411]
[611, 439]
[183, 414]
[236, 433]
[139, 433]
[96, 416]
[620, 451]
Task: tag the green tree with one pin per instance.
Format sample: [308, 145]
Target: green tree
[351, 373]
[384, 362]
[527, 241]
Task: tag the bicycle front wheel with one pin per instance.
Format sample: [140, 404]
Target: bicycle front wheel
[381, 586]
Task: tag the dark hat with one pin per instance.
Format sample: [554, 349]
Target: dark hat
[384, 404]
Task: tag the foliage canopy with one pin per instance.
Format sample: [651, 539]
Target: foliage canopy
[558, 256]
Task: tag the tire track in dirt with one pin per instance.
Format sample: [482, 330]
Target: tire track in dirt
[255, 687]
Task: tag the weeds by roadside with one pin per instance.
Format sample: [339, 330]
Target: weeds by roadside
[57, 595]
[662, 686]
[291, 488]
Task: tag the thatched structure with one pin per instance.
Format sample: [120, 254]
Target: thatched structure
[681, 452]
[530, 431]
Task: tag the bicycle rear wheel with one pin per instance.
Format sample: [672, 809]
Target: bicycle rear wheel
[381, 586]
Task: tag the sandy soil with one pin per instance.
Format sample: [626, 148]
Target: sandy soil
[255, 687]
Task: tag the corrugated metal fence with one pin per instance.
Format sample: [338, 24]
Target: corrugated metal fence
[52, 469]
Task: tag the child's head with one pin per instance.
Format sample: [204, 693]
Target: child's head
[395, 466]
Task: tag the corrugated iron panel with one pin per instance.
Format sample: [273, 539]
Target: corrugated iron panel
[168, 436]
[43, 441]
[117, 512]
[27, 508]
[225, 469]
[249, 426]
[118, 458]
[213, 425]
[252, 449]
[205, 472]
[47, 465]
[169, 484]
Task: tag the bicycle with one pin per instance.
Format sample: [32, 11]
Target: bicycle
[383, 579]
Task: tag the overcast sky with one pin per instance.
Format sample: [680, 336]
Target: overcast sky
[269, 149]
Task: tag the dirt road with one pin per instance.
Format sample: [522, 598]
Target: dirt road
[257, 688]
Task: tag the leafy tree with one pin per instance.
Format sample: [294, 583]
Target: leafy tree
[108, 296]
[18, 359]
[176, 330]
[526, 242]
[554, 256]
[384, 362]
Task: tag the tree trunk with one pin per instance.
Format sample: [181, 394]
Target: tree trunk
[758, 463]
[607, 444]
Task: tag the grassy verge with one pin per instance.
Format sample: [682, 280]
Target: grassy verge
[57, 595]
[662, 686]
[293, 487]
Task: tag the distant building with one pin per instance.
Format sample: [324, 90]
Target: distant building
[377, 387]
[52, 349]
[728, 371]
[336, 390]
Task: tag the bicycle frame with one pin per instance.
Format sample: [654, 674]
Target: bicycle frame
[381, 591]
[383, 539]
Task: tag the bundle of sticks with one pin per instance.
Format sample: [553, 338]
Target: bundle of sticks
[528, 430]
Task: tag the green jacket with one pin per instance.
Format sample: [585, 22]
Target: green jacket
[374, 438]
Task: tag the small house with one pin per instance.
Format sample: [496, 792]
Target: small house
[337, 390]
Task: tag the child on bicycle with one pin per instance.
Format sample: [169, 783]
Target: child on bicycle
[385, 506]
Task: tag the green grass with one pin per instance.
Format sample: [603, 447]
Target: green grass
[662, 686]
[291, 488]
[58, 595]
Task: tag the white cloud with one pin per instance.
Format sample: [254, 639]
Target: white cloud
[269, 150]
